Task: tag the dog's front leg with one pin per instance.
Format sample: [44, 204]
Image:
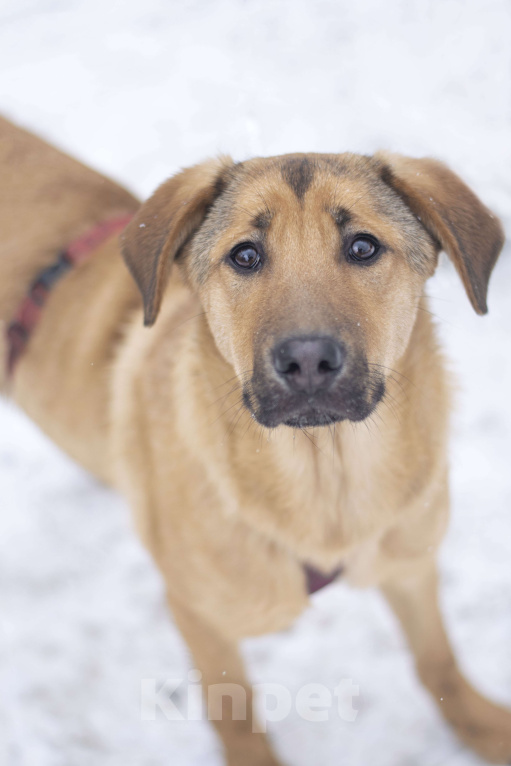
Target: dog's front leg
[226, 690]
[479, 723]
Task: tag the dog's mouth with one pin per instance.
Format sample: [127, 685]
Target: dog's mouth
[313, 418]
[272, 406]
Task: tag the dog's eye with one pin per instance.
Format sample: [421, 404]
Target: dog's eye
[245, 257]
[363, 248]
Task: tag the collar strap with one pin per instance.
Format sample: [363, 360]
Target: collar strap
[316, 580]
[29, 312]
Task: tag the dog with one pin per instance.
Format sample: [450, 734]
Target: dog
[263, 382]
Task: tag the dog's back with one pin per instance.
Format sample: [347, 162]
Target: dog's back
[49, 199]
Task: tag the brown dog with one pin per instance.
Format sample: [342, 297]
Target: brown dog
[240, 425]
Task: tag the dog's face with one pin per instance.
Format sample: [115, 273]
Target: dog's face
[310, 269]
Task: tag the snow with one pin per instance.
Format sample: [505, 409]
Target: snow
[139, 90]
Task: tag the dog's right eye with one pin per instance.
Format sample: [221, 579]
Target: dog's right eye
[245, 257]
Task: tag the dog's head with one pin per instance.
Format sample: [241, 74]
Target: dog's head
[310, 268]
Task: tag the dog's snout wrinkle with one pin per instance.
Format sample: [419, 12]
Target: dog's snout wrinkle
[308, 364]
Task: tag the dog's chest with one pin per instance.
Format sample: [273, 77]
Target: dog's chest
[310, 496]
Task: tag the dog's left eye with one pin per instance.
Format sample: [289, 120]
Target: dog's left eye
[363, 249]
[245, 257]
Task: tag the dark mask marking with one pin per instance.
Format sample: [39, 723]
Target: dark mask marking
[298, 173]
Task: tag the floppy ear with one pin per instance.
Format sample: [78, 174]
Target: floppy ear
[164, 224]
[457, 220]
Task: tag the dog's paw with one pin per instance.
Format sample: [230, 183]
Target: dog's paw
[250, 750]
[479, 723]
[492, 739]
[248, 759]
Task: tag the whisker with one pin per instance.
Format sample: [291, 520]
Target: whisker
[237, 417]
[304, 432]
[234, 377]
[224, 396]
[189, 319]
[436, 298]
[238, 402]
[396, 372]
[432, 313]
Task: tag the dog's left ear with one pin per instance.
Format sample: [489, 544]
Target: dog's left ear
[165, 223]
[456, 219]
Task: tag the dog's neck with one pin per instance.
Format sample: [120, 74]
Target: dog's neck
[303, 473]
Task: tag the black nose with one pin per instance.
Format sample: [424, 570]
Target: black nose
[308, 364]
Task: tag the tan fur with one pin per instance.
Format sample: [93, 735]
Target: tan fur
[230, 509]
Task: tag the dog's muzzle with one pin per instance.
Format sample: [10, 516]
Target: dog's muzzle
[312, 381]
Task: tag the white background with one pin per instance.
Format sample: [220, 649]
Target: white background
[138, 89]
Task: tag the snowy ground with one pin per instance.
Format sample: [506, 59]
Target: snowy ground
[138, 89]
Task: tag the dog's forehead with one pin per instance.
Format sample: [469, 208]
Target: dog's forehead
[301, 175]
[309, 184]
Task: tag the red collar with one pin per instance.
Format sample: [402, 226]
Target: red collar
[29, 312]
[316, 580]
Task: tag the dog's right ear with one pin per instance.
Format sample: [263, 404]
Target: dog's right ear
[456, 219]
[164, 224]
